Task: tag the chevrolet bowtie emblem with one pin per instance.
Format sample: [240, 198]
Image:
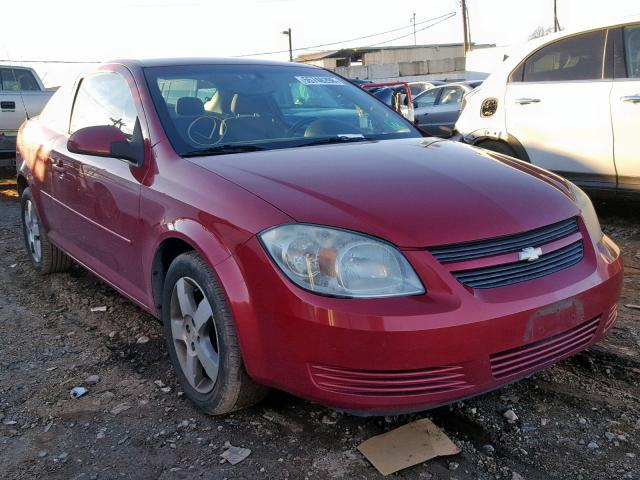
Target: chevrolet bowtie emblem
[530, 254]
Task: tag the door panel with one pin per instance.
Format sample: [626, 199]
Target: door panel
[557, 107]
[424, 105]
[625, 112]
[564, 126]
[16, 88]
[11, 117]
[443, 115]
[99, 197]
[439, 109]
[100, 208]
[441, 119]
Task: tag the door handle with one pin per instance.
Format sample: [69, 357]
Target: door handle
[8, 106]
[631, 99]
[527, 101]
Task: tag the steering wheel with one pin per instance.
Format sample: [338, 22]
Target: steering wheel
[204, 130]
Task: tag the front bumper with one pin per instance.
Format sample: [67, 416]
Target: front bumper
[393, 355]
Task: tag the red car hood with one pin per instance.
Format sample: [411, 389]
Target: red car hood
[413, 193]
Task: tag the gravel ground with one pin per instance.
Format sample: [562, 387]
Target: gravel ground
[577, 420]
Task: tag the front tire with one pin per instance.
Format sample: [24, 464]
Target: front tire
[202, 339]
[45, 257]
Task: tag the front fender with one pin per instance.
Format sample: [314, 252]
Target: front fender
[196, 236]
[206, 242]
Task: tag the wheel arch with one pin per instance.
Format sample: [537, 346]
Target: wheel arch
[184, 236]
[165, 253]
[508, 140]
[22, 184]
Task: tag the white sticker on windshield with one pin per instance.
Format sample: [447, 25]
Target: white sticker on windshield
[319, 81]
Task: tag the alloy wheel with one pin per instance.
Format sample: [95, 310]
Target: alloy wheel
[194, 334]
[32, 228]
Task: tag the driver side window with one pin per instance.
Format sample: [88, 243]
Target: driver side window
[570, 59]
[632, 50]
[451, 95]
[104, 99]
[428, 98]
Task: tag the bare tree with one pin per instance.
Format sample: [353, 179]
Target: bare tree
[540, 32]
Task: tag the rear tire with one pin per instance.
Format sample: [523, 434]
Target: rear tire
[202, 339]
[45, 257]
[497, 146]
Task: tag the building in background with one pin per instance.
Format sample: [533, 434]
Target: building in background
[407, 63]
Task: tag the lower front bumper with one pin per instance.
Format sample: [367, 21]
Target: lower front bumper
[396, 355]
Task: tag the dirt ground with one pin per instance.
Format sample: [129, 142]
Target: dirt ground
[577, 420]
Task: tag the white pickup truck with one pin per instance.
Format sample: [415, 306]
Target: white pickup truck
[22, 96]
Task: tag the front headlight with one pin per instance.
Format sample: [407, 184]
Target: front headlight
[339, 263]
[589, 215]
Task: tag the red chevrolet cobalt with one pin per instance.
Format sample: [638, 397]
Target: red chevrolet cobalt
[292, 231]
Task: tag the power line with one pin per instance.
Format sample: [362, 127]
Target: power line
[452, 14]
[447, 15]
[48, 61]
[437, 20]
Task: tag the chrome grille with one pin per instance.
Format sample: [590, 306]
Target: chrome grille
[510, 243]
[510, 273]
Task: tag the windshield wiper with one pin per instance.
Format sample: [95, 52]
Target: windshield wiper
[343, 138]
[223, 150]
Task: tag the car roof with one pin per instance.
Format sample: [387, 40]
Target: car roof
[178, 61]
[518, 52]
[426, 82]
[464, 83]
[591, 25]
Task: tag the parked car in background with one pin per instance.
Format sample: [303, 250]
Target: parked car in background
[388, 91]
[22, 96]
[418, 87]
[396, 95]
[292, 231]
[359, 81]
[568, 102]
[437, 109]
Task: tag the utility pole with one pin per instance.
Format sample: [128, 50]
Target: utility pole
[287, 32]
[464, 27]
[556, 24]
[413, 20]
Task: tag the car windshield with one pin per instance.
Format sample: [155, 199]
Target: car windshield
[225, 109]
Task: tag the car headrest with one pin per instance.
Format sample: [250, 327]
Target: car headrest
[190, 106]
[250, 105]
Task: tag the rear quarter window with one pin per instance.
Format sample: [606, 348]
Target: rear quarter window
[576, 58]
[57, 111]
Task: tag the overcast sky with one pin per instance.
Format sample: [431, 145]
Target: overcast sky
[97, 30]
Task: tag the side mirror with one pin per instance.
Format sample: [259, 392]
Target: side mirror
[108, 141]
